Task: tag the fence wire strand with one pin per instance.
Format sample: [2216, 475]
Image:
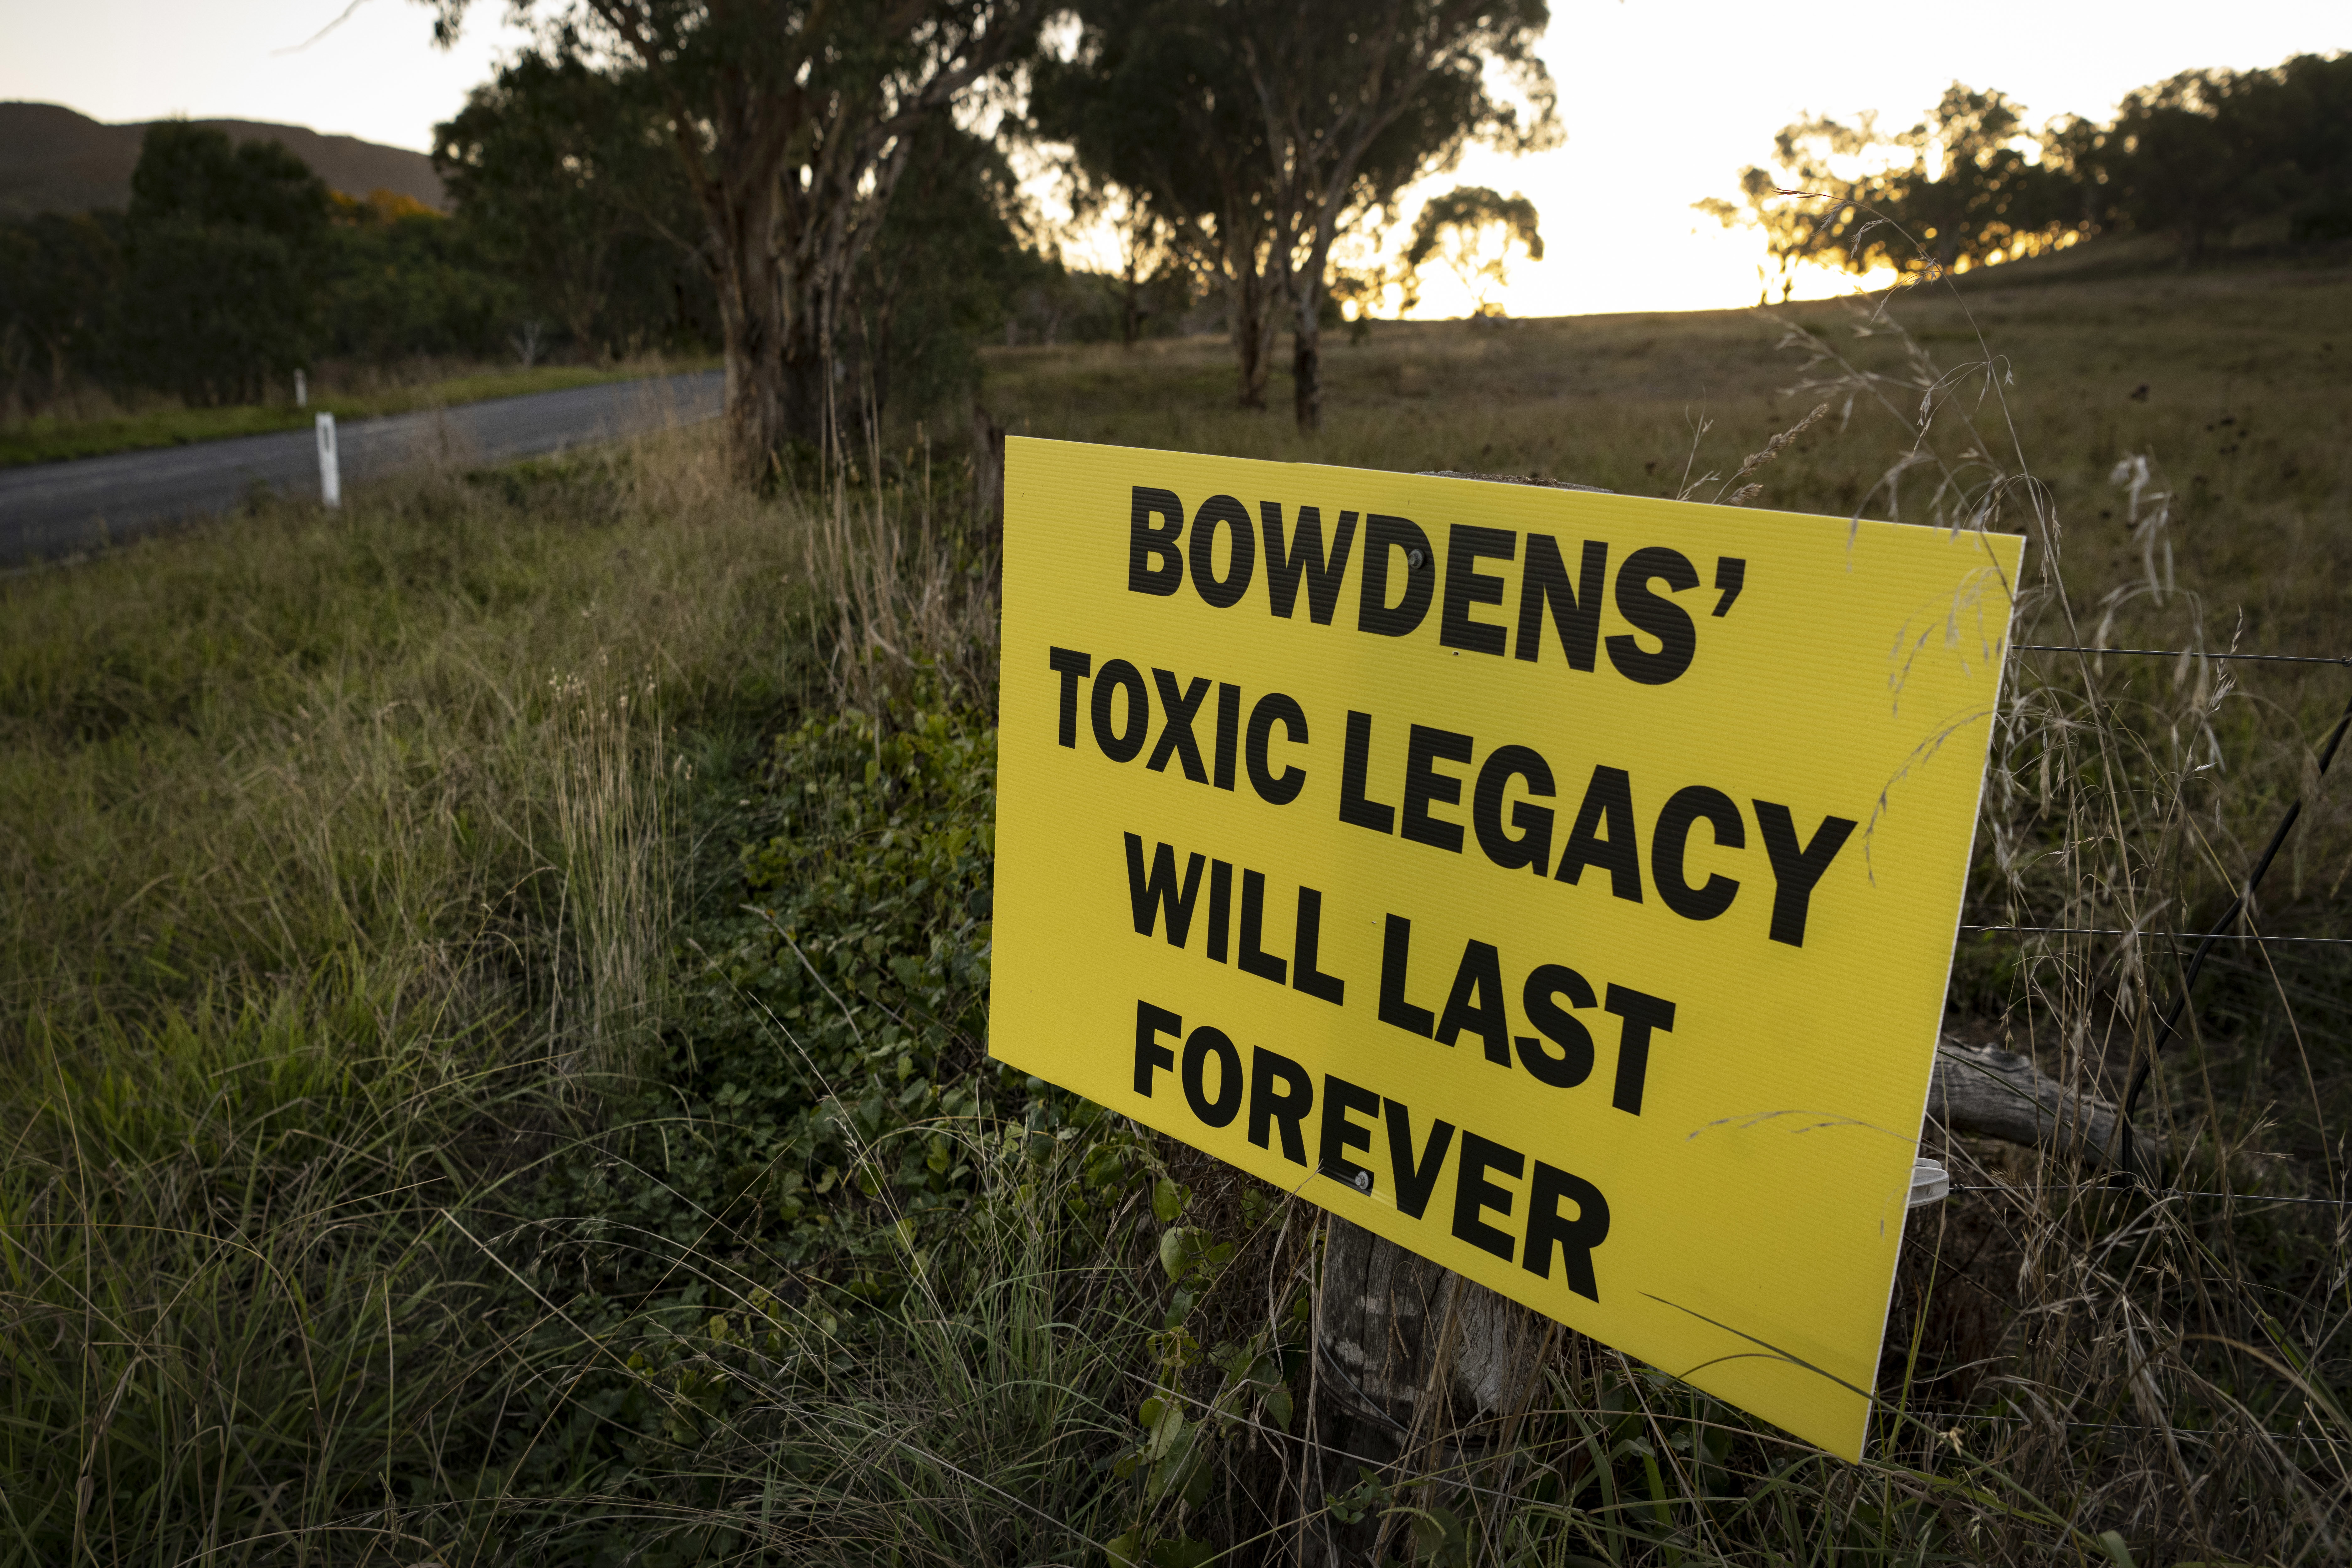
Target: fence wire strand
[2165, 935]
[2341, 660]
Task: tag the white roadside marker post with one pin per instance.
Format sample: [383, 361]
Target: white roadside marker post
[331, 472]
[302, 390]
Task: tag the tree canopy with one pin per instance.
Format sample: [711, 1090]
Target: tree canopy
[1970, 184]
[1470, 231]
[566, 180]
[226, 249]
[403, 281]
[194, 173]
[1965, 186]
[792, 122]
[2204, 151]
[60, 275]
[1155, 106]
[1261, 133]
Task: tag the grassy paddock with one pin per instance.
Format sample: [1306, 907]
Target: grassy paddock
[495, 988]
[2070, 1371]
[337, 861]
[48, 438]
[2227, 384]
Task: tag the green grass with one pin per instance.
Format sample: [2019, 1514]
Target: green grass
[48, 440]
[2228, 383]
[2124, 793]
[1617, 401]
[492, 988]
[335, 885]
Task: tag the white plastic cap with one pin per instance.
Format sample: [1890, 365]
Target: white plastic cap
[1930, 1183]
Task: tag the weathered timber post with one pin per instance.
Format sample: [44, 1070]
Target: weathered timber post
[1412, 1358]
[988, 477]
[1993, 1093]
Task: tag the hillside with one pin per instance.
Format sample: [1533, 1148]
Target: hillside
[53, 159]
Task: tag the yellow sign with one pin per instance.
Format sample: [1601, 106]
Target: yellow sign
[1561, 885]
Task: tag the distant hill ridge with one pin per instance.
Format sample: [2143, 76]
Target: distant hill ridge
[55, 160]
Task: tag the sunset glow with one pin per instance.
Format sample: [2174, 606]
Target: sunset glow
[1662, 104]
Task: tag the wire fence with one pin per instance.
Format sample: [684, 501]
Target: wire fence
[2344, 660]
[2223, 930]
[2168, 935]
[2018, 1190]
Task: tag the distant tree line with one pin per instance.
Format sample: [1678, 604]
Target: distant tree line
[822, 191]
[576, 231]
[234, 265]
[2196, 158]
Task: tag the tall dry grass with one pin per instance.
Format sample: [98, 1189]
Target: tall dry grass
[2076, 1370]
[338, 855]
[613, 921]
[337, 870]
[911, 586]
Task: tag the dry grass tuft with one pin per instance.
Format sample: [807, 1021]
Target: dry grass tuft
[343, 860]
[2072, 1369]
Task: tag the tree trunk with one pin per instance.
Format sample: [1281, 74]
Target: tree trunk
[776, 367]
[1253, 368]
[1304, 290]
[1997, 1094]
[1253, 327]
[751, 325]
[580, 320]
[988, 477]
[1130, 316]
[1307, 374]
[755, 409]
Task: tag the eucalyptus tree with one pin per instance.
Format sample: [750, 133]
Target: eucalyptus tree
[60, 277]
[1470, 230]
[1965, 186]
[227, 247]
[792, 121]
[1155, 104]
[2206, 151]
[1262, 132]
[553, 169]
[1362, 100]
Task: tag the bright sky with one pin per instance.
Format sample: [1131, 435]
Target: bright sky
[376, 75]
[1663, 100]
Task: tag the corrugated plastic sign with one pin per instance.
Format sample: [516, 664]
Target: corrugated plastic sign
[1561, 885]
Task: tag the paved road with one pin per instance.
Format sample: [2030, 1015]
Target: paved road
[50, 509]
